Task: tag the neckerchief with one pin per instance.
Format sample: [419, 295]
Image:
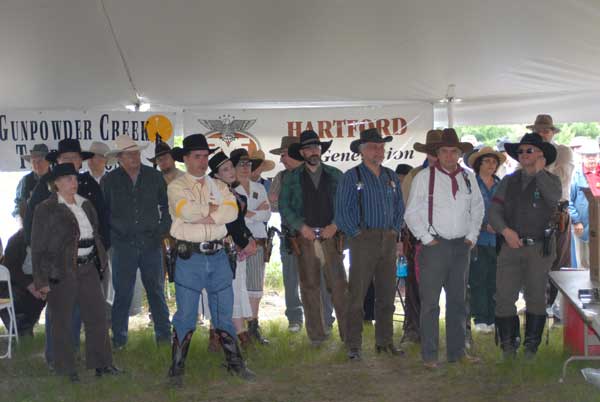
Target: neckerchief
[452, 176]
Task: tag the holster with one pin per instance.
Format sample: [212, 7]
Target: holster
[547, 245]
[98, 264]
[499, 242]
[339, 242]
[232, 257]
[294, 245]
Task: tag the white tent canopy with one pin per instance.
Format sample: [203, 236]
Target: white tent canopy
[509, 59]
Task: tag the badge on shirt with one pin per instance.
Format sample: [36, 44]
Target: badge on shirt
[255, 195]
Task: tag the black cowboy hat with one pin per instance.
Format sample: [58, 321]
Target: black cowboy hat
[68, 145]
[537, 141]
[62, 169]
[307, 138]
[403, 169]
[239, 154]
[369, 135]
[194, 142]
[162, 148]
[216, 162]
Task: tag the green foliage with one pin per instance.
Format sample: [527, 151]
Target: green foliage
[489, 134]
[273, 276]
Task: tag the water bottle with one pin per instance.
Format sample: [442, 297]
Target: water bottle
[402, 267]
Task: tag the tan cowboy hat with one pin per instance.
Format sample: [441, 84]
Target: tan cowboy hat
[124, 143]
[543, 121]
[432, 136]
[258, 159]
[485, 151]
[449, 139]
[285, 144]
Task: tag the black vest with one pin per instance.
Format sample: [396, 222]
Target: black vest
[317, 202]
[526, 211]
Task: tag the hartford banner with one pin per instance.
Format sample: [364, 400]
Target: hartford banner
[21, 130]
[263, 129]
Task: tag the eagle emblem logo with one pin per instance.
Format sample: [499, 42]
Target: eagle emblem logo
[227, 125]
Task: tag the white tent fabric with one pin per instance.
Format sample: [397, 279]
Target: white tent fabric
[509, 59]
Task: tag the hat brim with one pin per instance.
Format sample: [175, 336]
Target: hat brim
[355, 145]
[536, 127]
[268, 165]
[294, 149]
[115, 152]
[548, 150]
[52, 156]
[463, 146]
[486, 152]
[178, 153]
[277, 151]
[153, 160]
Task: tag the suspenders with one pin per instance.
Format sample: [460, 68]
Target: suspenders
[360, 188]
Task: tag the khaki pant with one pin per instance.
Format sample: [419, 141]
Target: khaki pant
[316, 256]
[82, 287]
[518, 268]
[372, 256]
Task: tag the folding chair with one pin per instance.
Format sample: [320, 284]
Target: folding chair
[8, 305]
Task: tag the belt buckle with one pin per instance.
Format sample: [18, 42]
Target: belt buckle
[204, 247]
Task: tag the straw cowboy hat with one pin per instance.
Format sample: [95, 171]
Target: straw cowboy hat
[449, 139]
[542, 122]
[432, 137]
[258, 159]
[37, 150]
[485, 151]
[124, 143]
[369, 135]
[589, 147]
[537, 141]
[285, 144]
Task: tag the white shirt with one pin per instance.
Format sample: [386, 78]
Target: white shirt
[452, 217]
[257, 195]
[86, 231]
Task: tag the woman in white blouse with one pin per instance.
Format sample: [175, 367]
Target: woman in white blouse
[257, 216]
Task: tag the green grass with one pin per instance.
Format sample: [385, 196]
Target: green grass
[273, 276]
[291, 370]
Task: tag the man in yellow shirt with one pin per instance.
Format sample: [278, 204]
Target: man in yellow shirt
[200, 207]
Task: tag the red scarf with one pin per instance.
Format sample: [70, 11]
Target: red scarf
[452, 175]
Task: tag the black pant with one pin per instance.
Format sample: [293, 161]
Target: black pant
[369, 304]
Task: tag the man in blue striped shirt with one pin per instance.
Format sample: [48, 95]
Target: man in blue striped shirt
[369, 210]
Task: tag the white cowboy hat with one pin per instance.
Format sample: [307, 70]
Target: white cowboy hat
[124, 143]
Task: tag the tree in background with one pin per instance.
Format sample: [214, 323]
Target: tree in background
[488, 135]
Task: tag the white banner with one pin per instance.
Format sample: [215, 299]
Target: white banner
[21, 130]
[263, 129]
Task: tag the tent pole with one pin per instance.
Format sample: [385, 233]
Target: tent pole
[450, 113]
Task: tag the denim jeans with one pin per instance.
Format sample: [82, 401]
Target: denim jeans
[76, 326]
[125, 263]
[210, 272]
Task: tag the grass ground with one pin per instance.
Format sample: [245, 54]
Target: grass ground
[290, 370]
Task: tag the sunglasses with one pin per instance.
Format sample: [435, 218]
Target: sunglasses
[526, 151]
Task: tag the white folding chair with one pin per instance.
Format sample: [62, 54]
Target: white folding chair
[8, 304]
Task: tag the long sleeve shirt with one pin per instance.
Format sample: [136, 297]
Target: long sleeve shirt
[189, 201]
[453, 216]
[382, 204]
[257, 196]
[139, 212]
[563, 167]
[547, 184]
[578, 203]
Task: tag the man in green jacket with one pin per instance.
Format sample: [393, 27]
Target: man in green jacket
[306, 203]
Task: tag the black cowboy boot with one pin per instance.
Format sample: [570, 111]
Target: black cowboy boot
[179, 353]
[233, 356]
[534, 329]
[254, 331]
[214, 345]
[507, 333]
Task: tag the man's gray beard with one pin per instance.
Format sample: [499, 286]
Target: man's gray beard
[169, 170]
[315, 159]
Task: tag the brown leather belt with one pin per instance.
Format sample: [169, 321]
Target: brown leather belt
[261, 242]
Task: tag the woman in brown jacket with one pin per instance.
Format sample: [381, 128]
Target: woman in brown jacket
[68, 259]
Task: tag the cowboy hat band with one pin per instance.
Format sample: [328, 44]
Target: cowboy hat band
[369, 135]
[483, 152]
[449, 138]
[65, 146]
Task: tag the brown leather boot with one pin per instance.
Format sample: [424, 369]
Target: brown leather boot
[245, 340]
[214, 345]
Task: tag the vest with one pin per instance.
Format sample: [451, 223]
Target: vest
[526, 211]
[317, 202]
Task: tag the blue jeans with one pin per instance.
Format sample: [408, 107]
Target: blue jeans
[289, 268]
[125, 263]
[210, 272]
[76, 325]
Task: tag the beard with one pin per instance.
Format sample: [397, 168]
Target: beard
[313, 160]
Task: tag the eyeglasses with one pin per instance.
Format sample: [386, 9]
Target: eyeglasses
[526, 151]
[244, 163]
